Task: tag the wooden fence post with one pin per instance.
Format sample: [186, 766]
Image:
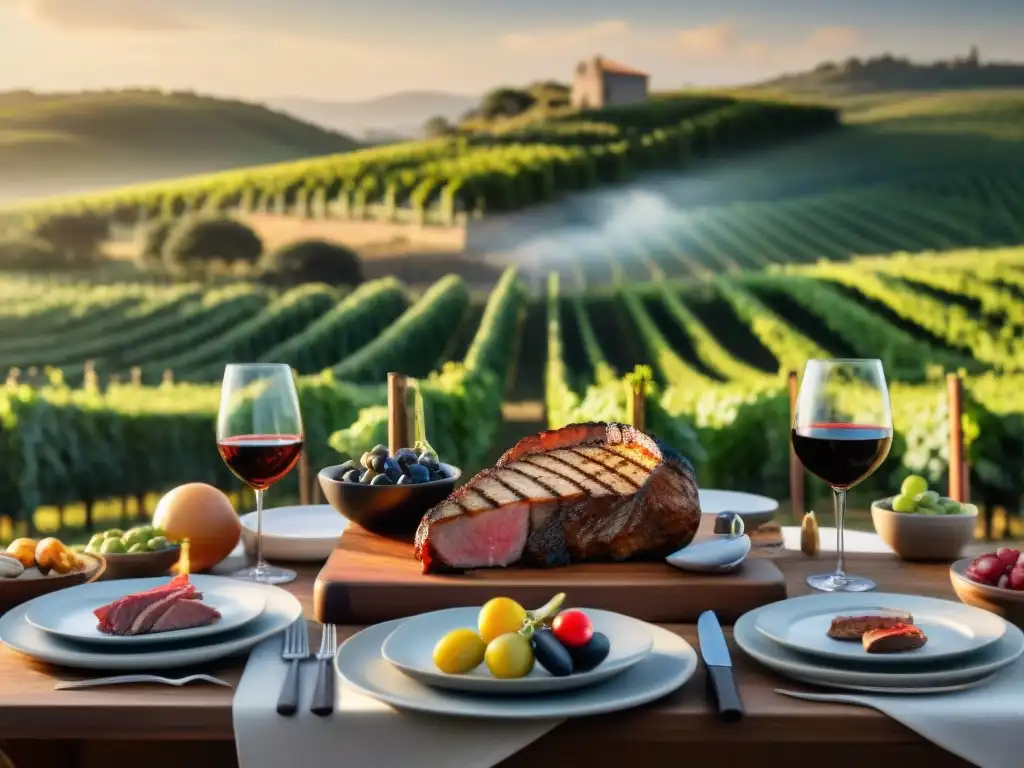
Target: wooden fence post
[954, 393]
[398, 413]
[796, 469]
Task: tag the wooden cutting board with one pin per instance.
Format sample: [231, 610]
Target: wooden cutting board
[369, 579]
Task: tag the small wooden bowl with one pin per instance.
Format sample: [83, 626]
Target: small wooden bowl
[1008, 603]
[32, 584]
[389, 510]
[920, 536]
[141, 565]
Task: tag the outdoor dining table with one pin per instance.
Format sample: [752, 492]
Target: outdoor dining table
[158, 726]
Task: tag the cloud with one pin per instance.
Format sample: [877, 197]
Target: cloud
[724, 40]
[831, 39]
[567, 40]
[78, 15]
[707, 42]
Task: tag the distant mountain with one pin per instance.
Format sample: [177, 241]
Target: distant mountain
[889, 73]
[396, 115]
[57, 143]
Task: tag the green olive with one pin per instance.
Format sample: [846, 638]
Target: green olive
[509, 656]
[458, 652]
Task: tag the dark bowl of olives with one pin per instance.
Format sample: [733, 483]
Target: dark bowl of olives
[386, 494]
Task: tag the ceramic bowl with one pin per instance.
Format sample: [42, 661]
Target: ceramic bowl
[919, 536]
[141, 565]
[31, 584]
[390, 510]
[1008, 603]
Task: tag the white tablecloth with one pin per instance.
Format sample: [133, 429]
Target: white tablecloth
[983, 725]
[362, 731]
[853, 541]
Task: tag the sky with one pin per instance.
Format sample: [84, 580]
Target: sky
[343, 50]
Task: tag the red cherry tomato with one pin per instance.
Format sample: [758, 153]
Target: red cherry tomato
[572, 629]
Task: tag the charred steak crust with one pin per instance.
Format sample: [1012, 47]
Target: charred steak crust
[585, 492]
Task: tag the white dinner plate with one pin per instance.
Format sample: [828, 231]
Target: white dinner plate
[306, 533]
[69, 612]
[754, 510]
[282, 609]
[901, 691]
[830, 672]
[410, 648]
[669, 665]
[953, 629]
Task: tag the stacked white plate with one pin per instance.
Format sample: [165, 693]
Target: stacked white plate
[393, 662]
[966, 646]
[60, 628]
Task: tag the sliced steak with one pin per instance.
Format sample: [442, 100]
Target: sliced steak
[185, 614]
[119, 616]
[144, 622]
[584, 492]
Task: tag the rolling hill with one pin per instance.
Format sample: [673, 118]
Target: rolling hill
[59, 143]
[400, 114]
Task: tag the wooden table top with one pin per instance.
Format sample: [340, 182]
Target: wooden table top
[31, 709]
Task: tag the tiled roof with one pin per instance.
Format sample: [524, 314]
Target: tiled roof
[615, 68]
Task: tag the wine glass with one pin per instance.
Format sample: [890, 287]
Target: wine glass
[842, 432]
[259, 437]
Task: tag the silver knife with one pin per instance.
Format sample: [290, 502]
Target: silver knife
[715, 653]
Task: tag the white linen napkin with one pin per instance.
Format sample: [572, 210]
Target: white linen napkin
[362, 731]
[983, 725]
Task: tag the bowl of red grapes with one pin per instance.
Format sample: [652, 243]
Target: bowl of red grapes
[387, 493]
[993, 581]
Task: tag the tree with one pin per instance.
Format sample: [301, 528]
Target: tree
[76, 237]
[506, 102]
[196, 243]
[312, 261]
[438, 125]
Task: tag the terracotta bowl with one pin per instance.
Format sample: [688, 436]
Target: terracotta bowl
[918, 536]
[390, 510]
[32, 584]
[141, 565]
[1008, 603]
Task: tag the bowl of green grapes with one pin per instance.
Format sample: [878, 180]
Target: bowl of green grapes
[136, 553]
[919, 524]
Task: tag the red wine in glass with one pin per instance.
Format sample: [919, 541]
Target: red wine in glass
[841, 454]
[259, 461]
[842, 432]
[259, 438]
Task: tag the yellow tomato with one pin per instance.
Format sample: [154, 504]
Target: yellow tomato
[500, 616]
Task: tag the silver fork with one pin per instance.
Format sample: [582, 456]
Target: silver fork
[138, 679]
[323, 694]
[295, 649]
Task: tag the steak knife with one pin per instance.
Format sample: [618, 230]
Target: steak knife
[716, 657]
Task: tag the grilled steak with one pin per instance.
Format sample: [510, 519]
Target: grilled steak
[183, 613]
[140, 613]
[854, 627]
[583, 492]
[896, 639]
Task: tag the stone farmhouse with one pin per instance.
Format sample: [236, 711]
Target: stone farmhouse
[601, 82]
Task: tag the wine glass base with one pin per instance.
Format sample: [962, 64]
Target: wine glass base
[833, 582]
[267, 574]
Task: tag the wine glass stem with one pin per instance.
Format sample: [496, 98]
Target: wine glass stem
[260, 564]
[839, 498]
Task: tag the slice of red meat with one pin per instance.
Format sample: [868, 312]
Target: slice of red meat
[145, 620]
[185, 614]
[118, 616]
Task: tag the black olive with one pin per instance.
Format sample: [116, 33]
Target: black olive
[367, 476]
[588, 656]
[377, 463]
[380, 450]
[551, 654]
[381, 480]
[352, 476]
